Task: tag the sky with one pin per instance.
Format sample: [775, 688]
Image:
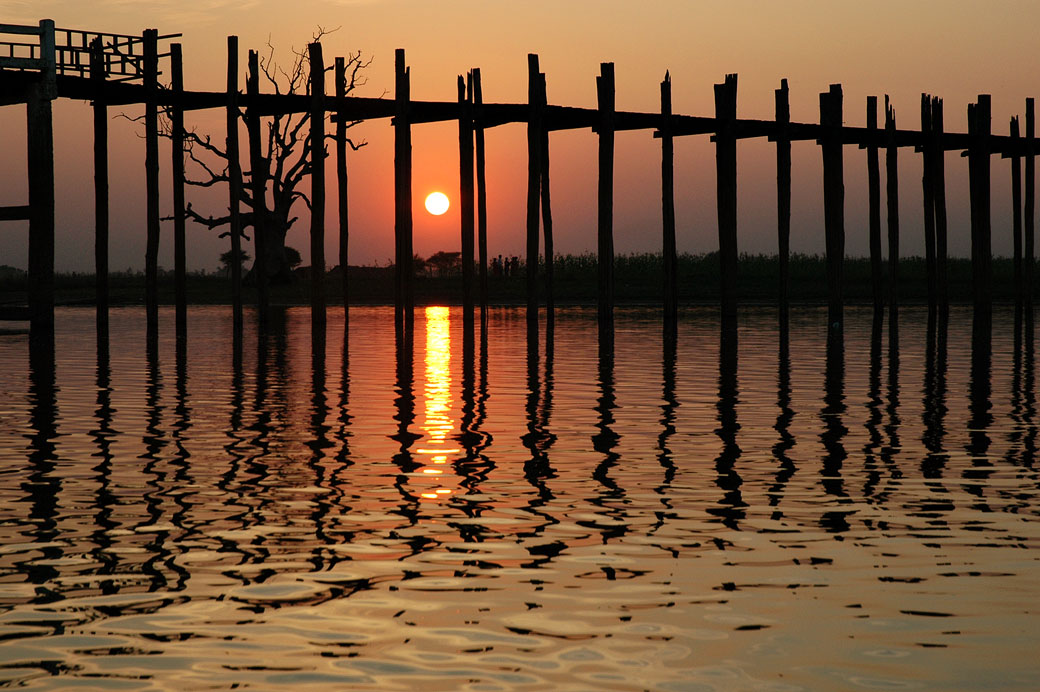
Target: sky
[955, 49]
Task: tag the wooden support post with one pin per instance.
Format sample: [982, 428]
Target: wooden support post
[177, 172]
[465, 95]
[783, 187]
[547, 225]
[928, 187]
[892, 198]
[101, 208]
[1030, 201]
[605, 244]
[534, 177]
[478, 102]
[874, 203]
[234, 182]
[403, 267]
[1016, 211]
[151, 169]
[40, 148]
[726, 190]
[258, 184]
[671, 263]
[939, 197]
[979, 127]
[833, 201]
[341, 187]
[317, 161]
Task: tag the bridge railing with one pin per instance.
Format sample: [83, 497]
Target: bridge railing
[57, 51]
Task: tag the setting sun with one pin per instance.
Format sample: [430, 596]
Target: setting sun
[437, 203]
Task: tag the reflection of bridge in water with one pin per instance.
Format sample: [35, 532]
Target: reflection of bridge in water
[45, 63]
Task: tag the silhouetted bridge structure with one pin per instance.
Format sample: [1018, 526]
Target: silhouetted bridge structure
[46, 63]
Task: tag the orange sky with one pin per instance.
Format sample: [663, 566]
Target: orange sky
[952, 48]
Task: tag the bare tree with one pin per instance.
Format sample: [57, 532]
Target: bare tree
[285, 157]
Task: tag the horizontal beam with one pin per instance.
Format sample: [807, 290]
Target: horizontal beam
[14, 313]
[353, 108]
[19, 213]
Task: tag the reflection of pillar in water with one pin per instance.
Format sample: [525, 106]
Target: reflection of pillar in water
[732, 502]
[979, 404]
[785, 416]
[834, 430]
[934, 403]
[41, 486]
[872, 450]
[606, 440]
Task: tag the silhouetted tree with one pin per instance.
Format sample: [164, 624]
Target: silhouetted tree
[226, 259]
[285, 157]
[445, 263]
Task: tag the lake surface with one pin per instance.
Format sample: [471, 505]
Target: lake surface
[767, 510]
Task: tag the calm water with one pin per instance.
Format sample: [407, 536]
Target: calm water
[766, 512]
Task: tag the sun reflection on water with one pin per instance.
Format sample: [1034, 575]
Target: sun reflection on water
[437, 421]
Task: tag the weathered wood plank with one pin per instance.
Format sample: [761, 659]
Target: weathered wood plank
[234, 181]
[605, 225]
[783, 187]
[668, 248]
[316, 143]
[151, 169]
[726, 191]
[534, 169]
[874, 205]
[833, 201]
[177, 176]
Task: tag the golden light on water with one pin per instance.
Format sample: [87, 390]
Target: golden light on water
[437, 421]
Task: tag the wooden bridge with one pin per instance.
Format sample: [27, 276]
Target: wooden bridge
[46, 63]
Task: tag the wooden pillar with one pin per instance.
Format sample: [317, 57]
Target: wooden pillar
[1030, 201]
[547, 225]
[874, 203]
[403, 267]
[939, 198]
[317, 157]
[478, 102]
[927, 153]
[177, 172]
[534, 177]
[671, 263]
[101, 207]
[605, 244]
[892, 198]
[783, 186]
[151, 169]
[726, 190]
[341, 187]
[258, 185]
[234, 182]
[40, 148]
[1016, 211]
[979, 127]
[833, 201]
[465, 95]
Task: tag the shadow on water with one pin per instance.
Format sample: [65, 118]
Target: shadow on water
[732, 505]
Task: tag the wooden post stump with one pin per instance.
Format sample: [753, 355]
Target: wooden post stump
[605, 244]
[726, 190]
[874, 204]
[783, 187]
[671, 263]
[317, 161]
[234, 182]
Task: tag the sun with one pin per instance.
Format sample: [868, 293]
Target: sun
[437, 203]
